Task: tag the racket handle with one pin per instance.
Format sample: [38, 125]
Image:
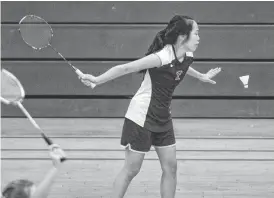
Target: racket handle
[92, 85]
[63, 159]
[80, 74]
[47, 140]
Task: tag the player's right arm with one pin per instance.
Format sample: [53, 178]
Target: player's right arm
[146, 62]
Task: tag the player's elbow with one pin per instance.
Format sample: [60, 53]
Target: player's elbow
[124, 69]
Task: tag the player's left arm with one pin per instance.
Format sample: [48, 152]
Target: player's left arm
[194, 73]
[204, 77]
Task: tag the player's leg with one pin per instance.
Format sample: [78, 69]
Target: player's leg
[165, 147]
[136, 140]
[132, 166]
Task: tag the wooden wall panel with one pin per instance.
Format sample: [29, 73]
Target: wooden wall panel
[132, 41]
[99, 34]
[118, 107]
[140, 12]
[56, 78]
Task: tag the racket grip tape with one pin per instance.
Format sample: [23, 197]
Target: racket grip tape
[63, 159]
[80, 74]
[47, 140]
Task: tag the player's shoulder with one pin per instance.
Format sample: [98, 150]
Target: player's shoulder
[167, 51]
[165, 54]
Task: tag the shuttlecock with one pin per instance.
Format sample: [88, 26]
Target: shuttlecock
[244, 80]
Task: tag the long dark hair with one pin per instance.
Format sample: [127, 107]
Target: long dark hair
[178, 25]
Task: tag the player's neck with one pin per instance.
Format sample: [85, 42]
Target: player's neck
[180, 51]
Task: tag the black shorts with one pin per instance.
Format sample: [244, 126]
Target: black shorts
[140, 139]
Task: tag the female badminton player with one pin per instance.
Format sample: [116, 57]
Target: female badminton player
[27, 189]
[148, 119]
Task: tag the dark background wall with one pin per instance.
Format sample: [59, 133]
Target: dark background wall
[237, 36]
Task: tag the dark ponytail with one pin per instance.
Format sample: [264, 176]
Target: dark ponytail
[178, 25]
[158, 42]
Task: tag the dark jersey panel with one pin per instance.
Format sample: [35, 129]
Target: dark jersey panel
[164, 81]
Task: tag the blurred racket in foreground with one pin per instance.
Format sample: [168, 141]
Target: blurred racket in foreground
[12, 92]
[37, 33]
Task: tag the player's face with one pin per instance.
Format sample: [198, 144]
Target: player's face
[194, 38]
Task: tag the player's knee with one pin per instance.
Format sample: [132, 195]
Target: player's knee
[132, 170]
[170, 167]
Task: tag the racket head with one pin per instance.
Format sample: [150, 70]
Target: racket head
[11, 88]
[35, 31]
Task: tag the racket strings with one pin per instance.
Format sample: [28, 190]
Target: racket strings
[11, 88]
[35, 31]
[13, 91]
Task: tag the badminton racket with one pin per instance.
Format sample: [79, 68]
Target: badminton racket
[37, 33]
[12, 92]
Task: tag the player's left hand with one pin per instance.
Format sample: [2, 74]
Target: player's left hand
[210, 74]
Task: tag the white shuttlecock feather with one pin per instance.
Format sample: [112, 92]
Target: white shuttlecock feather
[244, 80]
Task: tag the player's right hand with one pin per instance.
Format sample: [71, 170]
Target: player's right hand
[89, 77]
[88, 80]
[56, 154]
